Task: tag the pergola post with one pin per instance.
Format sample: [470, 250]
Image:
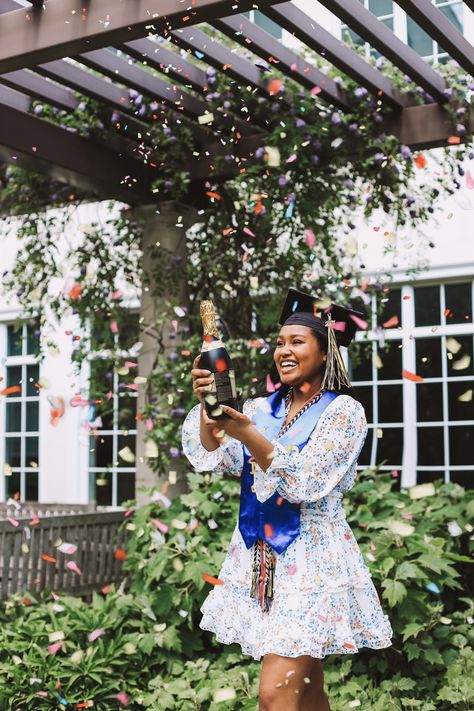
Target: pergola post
[166, 225]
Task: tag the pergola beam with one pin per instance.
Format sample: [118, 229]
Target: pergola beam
[41, 89]
[304, 28]
[263, 44]
[372, 30]
[66, 156]
[424, 126]
[66, 28]
[437, 25]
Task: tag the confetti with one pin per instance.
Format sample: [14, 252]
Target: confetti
[127, 455]
[309, 238]
[120, 554]
[420, 161]
[399, 528]
[177, 523]
[53, 648]
[411, 376]
[227, 693]
[432, 587]
[11, 390]
[453, 346]
[48, 558]
[151, 449]
[421, 490]
[274, 86]
[92, 636]
[161, 526]
[210, 579]
[13, 522]
[462, 364]
[454, 528]
[206, 118]
[469, 180]
[272, 156]
[466, 396]
[392, 322]
[71, 565]
[123, 698]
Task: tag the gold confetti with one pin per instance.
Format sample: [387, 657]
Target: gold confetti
[206, 118]
[421, 490]
[466, 396]
[273, 156]
[151, 449]
[127, 455]
[400, 528]
[377, 360]
[453, 345]
[463, 363]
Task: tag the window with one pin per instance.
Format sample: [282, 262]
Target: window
[383, 9]
[112, 422]
[439, 410]
[422, 43]
[20, 413]
[264, 22]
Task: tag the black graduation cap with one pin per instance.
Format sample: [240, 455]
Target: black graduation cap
[306, 312]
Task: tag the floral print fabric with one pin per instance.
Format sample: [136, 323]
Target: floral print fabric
[324, 601]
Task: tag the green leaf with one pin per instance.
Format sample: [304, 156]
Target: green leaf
[394, 592]
[413, 629]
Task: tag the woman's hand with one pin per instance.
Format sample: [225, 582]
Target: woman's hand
[236, 425]
[201, 379]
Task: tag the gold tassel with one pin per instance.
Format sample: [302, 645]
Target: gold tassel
[336, 375]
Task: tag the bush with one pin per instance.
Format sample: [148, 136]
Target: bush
[149, 652]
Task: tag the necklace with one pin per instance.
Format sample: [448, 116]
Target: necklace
[301, 411]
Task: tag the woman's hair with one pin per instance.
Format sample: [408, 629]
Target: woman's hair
[283, 389]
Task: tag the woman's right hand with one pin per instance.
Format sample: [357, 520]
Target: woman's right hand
[201, 379]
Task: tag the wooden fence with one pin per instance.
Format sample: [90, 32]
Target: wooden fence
[31, 560]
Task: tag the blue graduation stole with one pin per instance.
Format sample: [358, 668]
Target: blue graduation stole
[276, 521]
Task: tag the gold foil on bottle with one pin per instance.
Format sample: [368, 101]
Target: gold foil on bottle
[208, 317]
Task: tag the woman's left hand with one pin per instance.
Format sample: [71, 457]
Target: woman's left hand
[235, 425]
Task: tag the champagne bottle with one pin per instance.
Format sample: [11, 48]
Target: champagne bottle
[215, 357]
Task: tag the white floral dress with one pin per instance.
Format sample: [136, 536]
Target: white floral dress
[324, 599]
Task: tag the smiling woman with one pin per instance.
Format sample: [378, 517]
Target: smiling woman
[295, 585]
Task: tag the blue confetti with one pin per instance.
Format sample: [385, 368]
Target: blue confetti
[432, 587]
[198, 54]
[289, 210]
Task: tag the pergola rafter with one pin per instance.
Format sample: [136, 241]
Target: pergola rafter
[58, 51]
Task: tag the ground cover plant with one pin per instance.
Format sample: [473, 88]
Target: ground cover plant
[140, 646]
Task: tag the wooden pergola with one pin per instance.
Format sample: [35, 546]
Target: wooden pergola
[36, 42]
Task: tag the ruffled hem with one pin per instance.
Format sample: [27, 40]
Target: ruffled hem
[315, 624]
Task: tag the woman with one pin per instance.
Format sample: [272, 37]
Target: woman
[296, 587]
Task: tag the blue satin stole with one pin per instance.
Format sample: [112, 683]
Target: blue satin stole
[276, 516]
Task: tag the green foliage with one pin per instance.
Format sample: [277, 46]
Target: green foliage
[151, 646]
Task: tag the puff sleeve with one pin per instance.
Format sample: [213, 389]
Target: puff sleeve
[227, 458]
[330, 453]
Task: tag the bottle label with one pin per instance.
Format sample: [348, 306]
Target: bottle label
[225, 385]
[211, 346]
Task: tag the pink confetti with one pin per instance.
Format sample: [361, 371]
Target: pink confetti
[149, 424]
[92, 636]
[132, 386]
[53, 648]
[13, 522]
[315, 90]
[72, 565]
[249, 232]
[54, 596]
[270, 385]
[309, 238]
[116, 295]
[294, 67]
[129, 364]
[123, 698]
[43, 694]
[161, 526]
[291, 158]
[114, 327]
[174, 323]
[359, 321]
[469, 180]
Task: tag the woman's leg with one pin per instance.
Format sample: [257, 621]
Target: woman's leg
[314, 698]
[282, 682]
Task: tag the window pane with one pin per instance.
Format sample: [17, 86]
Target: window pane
[418, 39]
[101, 488]
[454, 13]
[461, 441]
[430, 446]
[461, 363]
[464, 478]
[364, 394]
[391, 357]
[461, 401]
[127, 410]
[13, 486]
[126, 441]
[14, 341]
[458, 303]
[31, 451]
[32, 416]
[31, 486]
[13, 416]
[391, 307]
[32, 339]
[360, 361]
[381, 7]
[268, 25]
[429, 402]
[427, 305]
[364, 457]
[125, 487]
[390, 403]
[13, 451]
[14, 377]
[101, 451]
[390, 446]
[32, 377]
[423, 477]
[352, 38]
[428, 357]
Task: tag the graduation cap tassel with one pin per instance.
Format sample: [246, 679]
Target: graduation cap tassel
[336, 375]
